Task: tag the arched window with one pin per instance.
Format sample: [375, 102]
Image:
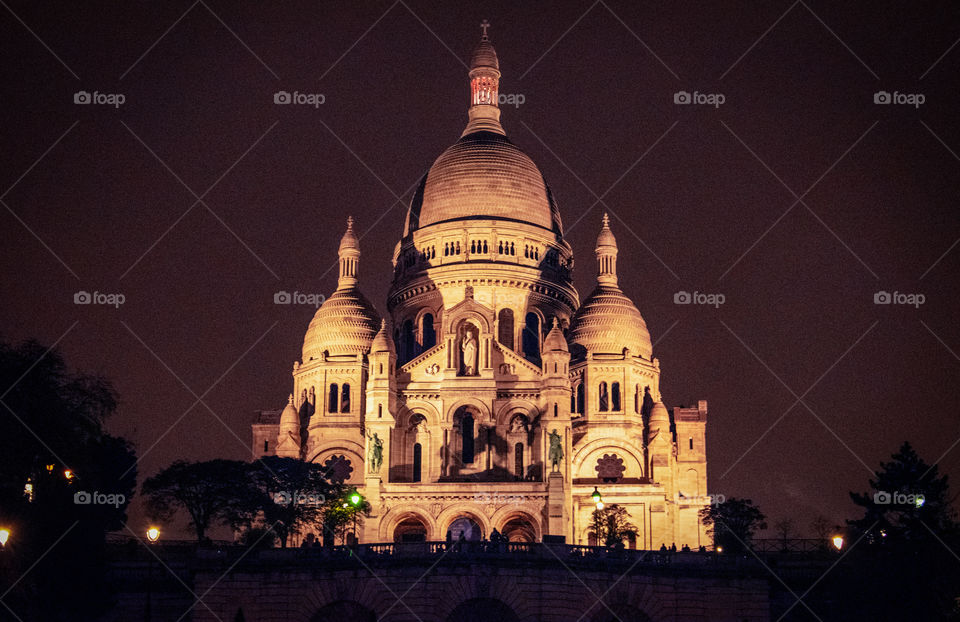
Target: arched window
[604, 398]
[581, 391]
[473, 246]
[615, 395]
[513, 250]
[379, 411]
[484, 247]
[345, 399]
[636, 399]
[531, 337]
[407, 342]
[466, 433]
[505, 328]
[266, 446]
[573, 401]
[518, 460]
[500, 248]
[334, 398]
[417, 461]
[427, 332]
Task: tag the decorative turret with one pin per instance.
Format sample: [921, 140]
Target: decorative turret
[659, 426]
[383, 342]
[349, 253]
[606, 255]
[484, 112]
[288, 441]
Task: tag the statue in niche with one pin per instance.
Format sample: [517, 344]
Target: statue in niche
[556, 450]
[468, 353]
[418, 424]
[518, 424]
[376, 452]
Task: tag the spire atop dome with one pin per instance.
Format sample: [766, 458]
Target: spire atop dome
[606, 255]
[484, 111]
[349, 253]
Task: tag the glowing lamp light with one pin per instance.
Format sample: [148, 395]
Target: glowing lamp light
[599, 505]
[719, 549]
[68, 474]
[919, 501]
[49, 468]
[346, 505]
[355, 498]
[4, 536]
[153, 534]
[838, 542]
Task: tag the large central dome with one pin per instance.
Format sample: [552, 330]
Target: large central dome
[483, 175]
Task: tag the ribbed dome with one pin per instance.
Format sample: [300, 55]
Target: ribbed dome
[344, 324]
[607, 322]
[555, 341]
[483, 175]
[484, 56]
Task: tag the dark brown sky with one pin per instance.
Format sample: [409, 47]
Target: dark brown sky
[706, 209]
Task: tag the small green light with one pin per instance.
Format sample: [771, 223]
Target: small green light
[355, 498]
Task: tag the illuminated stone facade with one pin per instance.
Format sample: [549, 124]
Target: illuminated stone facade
[443, 415]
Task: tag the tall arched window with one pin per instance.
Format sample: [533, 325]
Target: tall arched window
[573, 401]
[345, 399]
[505, 327]
[334, 398]
[417, 461]
[615, 395]
[379, 411]
[428, 333]
[518, 460]
[581, 394]
[636, 399]
[531, 337]
[407, 343]
[466, 433]
[604, 398]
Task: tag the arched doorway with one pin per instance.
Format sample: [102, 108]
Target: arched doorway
[519, 529]
[410, 529]
[344, 610]
[471, 529]
[483, 610]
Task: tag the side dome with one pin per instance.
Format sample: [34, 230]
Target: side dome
[608, 321]
[483, 175]
[345, 323]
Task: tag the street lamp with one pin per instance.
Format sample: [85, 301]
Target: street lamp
[838, 542]
[4, 536]
[355, 500]
[598, 501]
[153, 534]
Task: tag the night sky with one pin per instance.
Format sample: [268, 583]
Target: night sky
[797, 199]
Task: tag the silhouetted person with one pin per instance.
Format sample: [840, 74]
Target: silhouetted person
[685, 548]
[495, 537]
[673, 547]
[663, 547]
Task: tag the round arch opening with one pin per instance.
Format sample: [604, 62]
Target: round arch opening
[471, 529]
[519, 529]
[410, 529]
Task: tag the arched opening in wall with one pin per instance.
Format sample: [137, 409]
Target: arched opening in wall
[467, 438]
[407, 342]
[603, 398]
[581, 396]
[410, 529]
[518, 460]
[505, 327]
[417, 461]
[531, 337]
[470, 529]
[428, 334]
[621, 612]
[519, 529]
[344, 610]
[483, 610]
[636, 399]
[615, 395]
[345, 399]
[334, 398]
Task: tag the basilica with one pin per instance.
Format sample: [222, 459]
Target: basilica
[491, 397]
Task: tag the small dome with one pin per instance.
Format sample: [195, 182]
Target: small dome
[483, 176]
[484, 56]
[659, 413]
[290, 418]
[344, 324]
[555, 341]
[606, 237]
[607, 322]
[349, 239]
[383, 342]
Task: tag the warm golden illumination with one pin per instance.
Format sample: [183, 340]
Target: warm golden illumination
[153, 534]
[49, 468]
[67, 473]
[719, 549]
[4, 536]
[838, 542]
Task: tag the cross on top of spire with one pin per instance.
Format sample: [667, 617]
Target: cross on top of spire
[484, 25]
